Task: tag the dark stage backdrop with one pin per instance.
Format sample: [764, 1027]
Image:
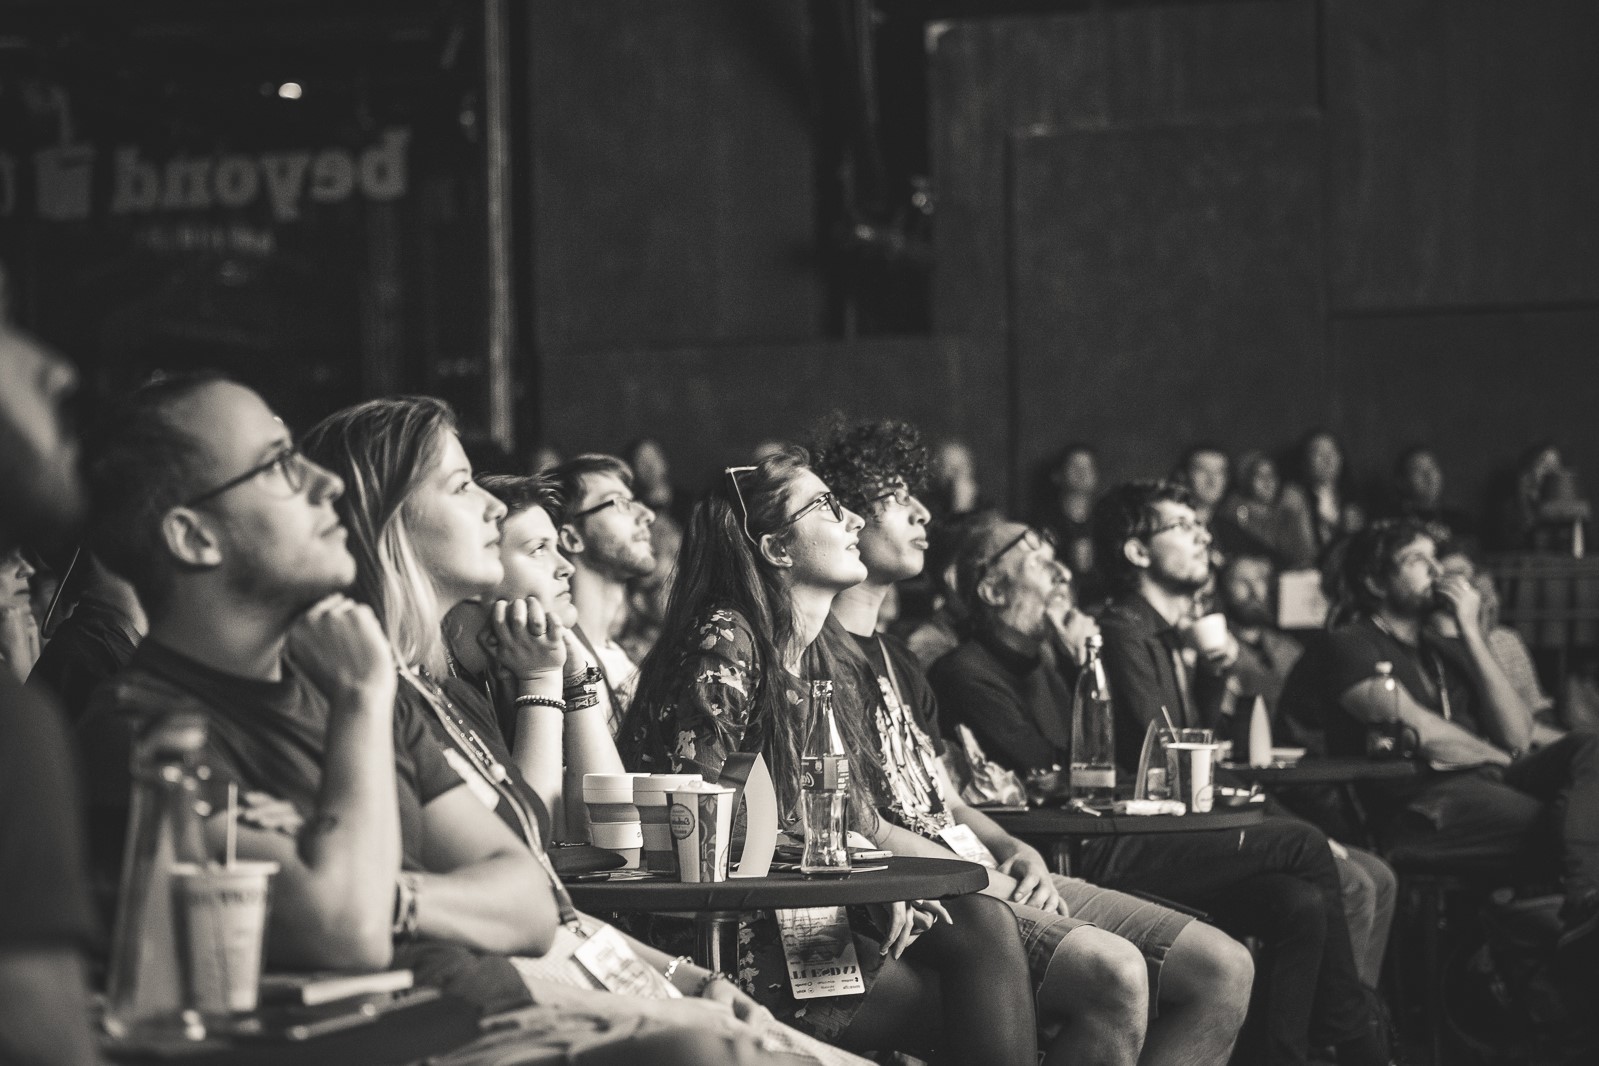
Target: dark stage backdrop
[164, 206]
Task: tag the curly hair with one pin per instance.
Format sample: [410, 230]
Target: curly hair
[859, 460]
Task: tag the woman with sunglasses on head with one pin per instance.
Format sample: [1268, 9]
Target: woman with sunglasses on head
[426, 538]
[765, 554]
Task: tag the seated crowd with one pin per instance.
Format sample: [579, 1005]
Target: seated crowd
[407, 666]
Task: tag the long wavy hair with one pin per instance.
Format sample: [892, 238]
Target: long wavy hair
[720, 568]
[383, 449]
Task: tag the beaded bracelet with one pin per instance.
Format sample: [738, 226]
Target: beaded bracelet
[672, 967]
[710, 978]
[539, 701]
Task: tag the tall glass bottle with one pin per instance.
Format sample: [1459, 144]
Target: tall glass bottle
[1093, 766]
[147, 993]
[824, 792]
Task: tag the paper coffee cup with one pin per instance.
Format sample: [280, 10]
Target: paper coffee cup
[650, 797]
[1210, 633]
[624, 838]
[221, 920]
[701, 819]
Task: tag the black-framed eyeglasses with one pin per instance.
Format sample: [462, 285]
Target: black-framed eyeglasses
[1032, 539]
[826, 499]
[900, 494]
[624, 504]
[290, 464]
[1184, 524]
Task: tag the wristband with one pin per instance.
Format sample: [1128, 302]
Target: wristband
[588, 679]
[583, 701]
[538, 701]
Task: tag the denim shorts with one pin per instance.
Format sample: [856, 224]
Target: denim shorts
[1150, 927]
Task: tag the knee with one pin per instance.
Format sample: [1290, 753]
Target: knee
[1301, 909]
[1110, 970]
[981, 920]
[1208, 967]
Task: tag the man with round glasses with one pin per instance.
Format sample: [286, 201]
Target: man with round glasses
[605, 532]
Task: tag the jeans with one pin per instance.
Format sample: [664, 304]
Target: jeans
[1539, 818]
[1275, 881]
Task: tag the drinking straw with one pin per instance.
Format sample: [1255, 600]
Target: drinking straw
[233, 825]
[1164, 713]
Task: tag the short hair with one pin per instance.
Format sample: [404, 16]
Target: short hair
[568, 478]
[1245, 555]
[1127, 512]
[1192, 452]
[519, 493]
[1369, 556]
[384, 449]
[946, 538]
[859, 460]
[139, 465]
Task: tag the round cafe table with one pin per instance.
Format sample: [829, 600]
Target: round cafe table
[717, 905]
[1064, 829]
[1322, 771]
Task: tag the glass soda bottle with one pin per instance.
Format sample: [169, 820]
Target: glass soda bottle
[824, 792]
[1093, 766]
[147, 992]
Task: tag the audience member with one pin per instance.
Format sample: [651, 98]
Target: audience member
[1260, 517]
[605, 532]
[1419, 494]
[767, 551]
[46, 919]
[1510, 651]
[1322, 487]
[234, 543]
[98, 638]
[1202, 470]
[1091, 981]
[552, 749]
[1266, 655]
[953, 485]
[1280, 879]
[19, 628]
[1476, 788]
[1066, 509]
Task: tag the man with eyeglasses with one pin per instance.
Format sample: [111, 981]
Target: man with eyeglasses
[605, 532]
[1086, 945]
[1156, 552]
[1010, 681]
[1280, 881]
[201, 500]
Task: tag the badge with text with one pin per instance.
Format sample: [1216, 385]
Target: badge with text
[612, 962]
[820, 951]
[962, 841]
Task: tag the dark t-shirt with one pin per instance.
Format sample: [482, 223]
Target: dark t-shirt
[268, 736]
[471, 705]
[1349, 656]
[44, 896]
[89, 647]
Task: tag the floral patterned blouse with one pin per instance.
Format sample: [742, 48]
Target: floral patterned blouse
[709, 715]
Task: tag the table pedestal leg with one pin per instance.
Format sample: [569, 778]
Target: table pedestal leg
[716, 941]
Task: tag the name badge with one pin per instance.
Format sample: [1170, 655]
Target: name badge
[820, 952]
[612, 962]
[962, 841]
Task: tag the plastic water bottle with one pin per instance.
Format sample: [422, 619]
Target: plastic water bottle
[1093, 767]
[148, 993]
[824, 790]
